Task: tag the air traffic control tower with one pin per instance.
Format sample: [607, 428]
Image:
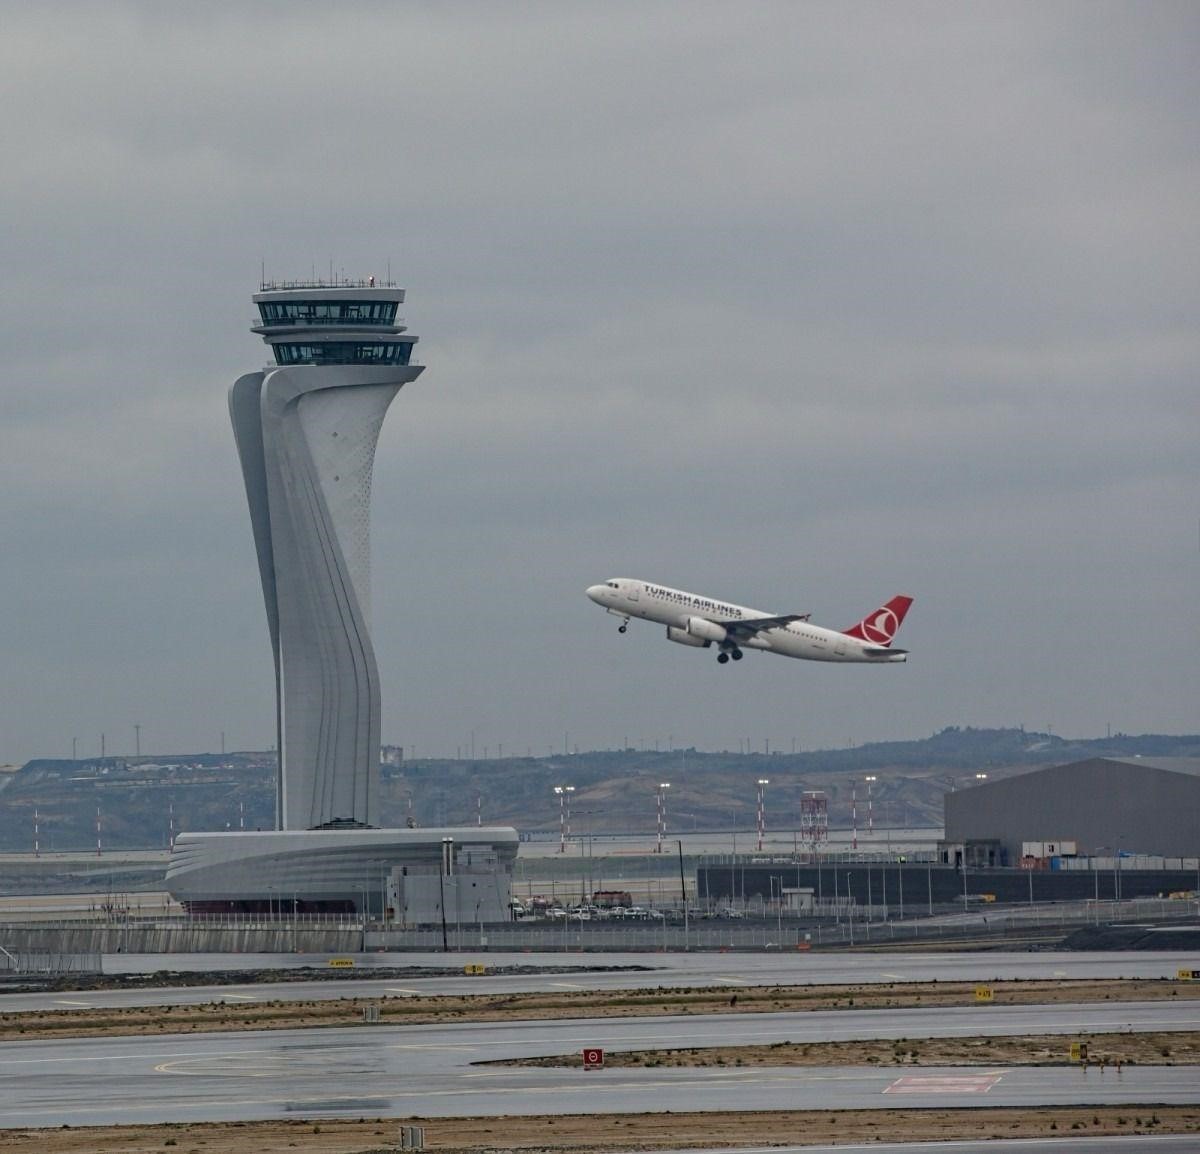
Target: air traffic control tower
[306, 429]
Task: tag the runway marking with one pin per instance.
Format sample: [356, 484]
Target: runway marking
[732, 981]
[64, 1002]
[944, 1083]
[239, 997]
[569, 985]
[894, 977]
[399, 990]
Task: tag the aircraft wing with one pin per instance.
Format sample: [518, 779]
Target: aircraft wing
[753, 625]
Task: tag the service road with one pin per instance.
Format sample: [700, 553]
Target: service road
[639, 971]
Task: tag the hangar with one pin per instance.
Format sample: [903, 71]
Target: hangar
[1138, 805]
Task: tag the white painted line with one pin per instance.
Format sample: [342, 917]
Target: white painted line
[239, 997]
[399, 990]
[894, 977]
[64, 1002]
[733, 981]
[569, 985]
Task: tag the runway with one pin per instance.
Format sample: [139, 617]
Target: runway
[638, 971]
[431, 1071]
[1185, 1143]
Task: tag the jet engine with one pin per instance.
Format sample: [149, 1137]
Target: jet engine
[708, 630]
[683, 637]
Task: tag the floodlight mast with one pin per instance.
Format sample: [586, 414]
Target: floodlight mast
[763, 782]
[306, 429]
[564, 814]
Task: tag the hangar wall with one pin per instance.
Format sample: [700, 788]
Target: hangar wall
[1139, 806]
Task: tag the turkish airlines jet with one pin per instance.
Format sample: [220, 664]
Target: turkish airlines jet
[703, 622]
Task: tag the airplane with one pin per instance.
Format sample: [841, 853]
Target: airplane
[703, 622]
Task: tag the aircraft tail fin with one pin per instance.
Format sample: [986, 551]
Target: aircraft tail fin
[881, 625]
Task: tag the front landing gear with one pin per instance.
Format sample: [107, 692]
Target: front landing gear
[624, 626]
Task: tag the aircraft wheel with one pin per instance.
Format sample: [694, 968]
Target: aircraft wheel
[622, 628]
[722, 658]
[737, 655]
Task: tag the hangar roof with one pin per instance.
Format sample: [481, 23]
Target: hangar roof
[1173, 764]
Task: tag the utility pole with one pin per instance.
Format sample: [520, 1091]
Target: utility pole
[763, 782]
[137, 740]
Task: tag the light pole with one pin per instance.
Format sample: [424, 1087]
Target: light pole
[564, 812]
[763, 782]
[663, 786]
[854, 814]
[871, 779]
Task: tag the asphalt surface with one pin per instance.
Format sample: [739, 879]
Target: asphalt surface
[639, 971]
[1186, 1143]
[433, 1071]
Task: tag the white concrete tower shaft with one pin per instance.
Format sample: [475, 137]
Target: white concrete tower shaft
[306, 429]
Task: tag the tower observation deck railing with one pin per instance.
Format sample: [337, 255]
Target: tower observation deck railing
[273, 286]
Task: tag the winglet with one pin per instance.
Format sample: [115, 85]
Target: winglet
[881, 625]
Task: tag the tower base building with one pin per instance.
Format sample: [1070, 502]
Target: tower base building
[404, 877]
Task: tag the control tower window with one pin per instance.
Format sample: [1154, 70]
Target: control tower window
[344, 353]
[327, 312]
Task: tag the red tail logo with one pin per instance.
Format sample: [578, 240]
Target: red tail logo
[880, 627]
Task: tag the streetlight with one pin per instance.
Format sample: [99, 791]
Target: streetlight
[763, 782]
[871, 779]
[564, 814]
[663, 786]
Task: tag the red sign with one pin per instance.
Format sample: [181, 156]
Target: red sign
[593, 1058]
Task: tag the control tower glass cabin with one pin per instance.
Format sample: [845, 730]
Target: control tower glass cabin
[306, 429]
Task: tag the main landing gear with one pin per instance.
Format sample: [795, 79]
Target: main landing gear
[725, 655]
[623, 626]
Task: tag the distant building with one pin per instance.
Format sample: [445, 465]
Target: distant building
[1104, 806]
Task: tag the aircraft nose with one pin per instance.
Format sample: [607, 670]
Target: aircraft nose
[596, 593]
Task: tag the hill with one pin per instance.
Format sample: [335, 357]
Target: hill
[140, 801]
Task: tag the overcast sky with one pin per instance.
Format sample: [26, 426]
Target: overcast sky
[798, 305]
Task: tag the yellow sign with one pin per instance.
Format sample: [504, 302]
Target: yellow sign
[984, 994]
[1079, 1051]
[474, 968]
[341, 961]
[1188, 975]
